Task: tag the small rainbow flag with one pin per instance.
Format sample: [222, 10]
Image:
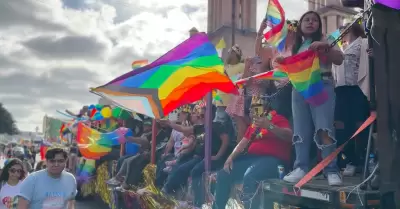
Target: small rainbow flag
[304, 72]
[275, 18]
[139, 63]
[181, 76]
[92, 144]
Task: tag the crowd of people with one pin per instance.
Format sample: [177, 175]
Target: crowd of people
[241, 153]
[248, 145]
[46, 186]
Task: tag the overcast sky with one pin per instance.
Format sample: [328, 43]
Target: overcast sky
[52, 51]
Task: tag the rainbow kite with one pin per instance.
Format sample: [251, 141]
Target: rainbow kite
[182, 76]
[303, 70]
[139, 63]
[92, 144]
[275, 18]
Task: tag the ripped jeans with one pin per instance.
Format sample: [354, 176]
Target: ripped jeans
[307, 121]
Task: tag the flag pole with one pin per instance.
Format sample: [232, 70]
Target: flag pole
[208, 135]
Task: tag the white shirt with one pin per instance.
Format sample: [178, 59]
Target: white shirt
[8, 195]
[346, 74]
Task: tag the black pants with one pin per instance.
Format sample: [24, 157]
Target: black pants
[136, 164]
[386, 50]
[351, 110]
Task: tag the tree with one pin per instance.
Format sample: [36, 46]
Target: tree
[7, 122]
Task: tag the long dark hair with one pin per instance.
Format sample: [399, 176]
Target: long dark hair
[316, 36]
[4, 174]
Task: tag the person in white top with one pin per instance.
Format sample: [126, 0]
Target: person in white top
[10, 182]
[352, 106]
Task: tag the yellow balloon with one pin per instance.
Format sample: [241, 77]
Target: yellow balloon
[106, 112]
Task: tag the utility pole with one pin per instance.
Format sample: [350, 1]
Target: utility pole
[233, 21]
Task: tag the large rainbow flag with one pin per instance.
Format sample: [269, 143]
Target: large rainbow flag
[275, 18]
[304, 72]
[181, 76]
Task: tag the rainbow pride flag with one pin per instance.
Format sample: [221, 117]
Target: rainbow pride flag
[304, 72]
[181, 76]
[92, 144]
[139, 63]
[85, 169]
[275, 18]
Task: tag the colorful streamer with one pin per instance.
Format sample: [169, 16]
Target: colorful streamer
[182, 76]
[304, 72]
[275, 18]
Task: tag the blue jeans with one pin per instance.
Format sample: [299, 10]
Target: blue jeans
[307, 121]
[252, 169]
[180, 174]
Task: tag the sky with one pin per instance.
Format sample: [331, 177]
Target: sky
[53, 51]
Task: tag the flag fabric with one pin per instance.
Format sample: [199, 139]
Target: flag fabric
[181, 76]
[304, 72]
[85, 170]
[221, 44]
[333, 36]
[43, 150]
[92, 144]
[139, 63]
[275, 18]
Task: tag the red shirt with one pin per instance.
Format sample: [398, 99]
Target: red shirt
[269, 144]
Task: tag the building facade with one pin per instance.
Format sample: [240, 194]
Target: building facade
[220, 14]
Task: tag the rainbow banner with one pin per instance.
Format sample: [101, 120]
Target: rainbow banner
[181, 76]
[139, 63]
[304, 72]
[275, 18]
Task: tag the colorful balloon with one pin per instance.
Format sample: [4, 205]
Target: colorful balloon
[106, 112]
[97, 116]
[99, 106]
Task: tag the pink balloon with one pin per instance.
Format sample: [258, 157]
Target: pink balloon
[395, 4]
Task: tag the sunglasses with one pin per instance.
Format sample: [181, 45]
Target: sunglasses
[12, 170]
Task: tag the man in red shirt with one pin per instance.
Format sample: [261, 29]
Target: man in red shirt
[266, 145]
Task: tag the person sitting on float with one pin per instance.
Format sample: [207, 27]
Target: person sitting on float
[194, 167]
[265, 145]
[174, 144]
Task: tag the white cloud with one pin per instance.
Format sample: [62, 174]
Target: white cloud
[54, 50]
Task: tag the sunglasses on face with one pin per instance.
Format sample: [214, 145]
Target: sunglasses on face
[13, 170]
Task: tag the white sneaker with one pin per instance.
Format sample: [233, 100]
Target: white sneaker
[350, 170]
[294, 176]
[334, 179]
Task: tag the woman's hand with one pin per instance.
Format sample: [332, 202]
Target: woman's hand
[262, 122]
[263, 26]
[319, 46]
[228, 165]
[370, 53]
